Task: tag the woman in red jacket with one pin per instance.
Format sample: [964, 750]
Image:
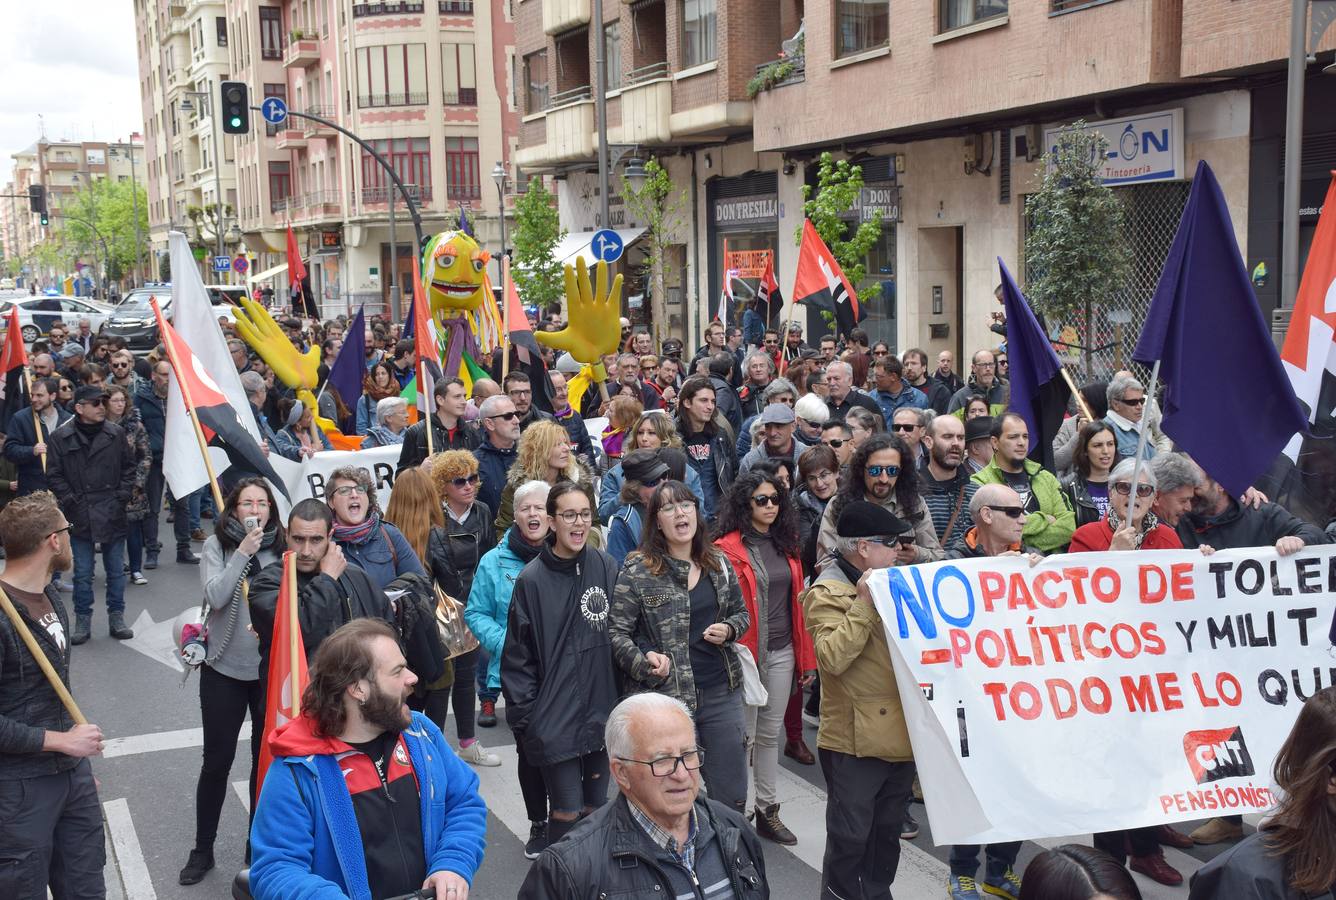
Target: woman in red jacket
[1139, 531]
[759, 524]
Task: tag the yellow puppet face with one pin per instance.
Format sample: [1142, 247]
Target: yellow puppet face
[454, 273]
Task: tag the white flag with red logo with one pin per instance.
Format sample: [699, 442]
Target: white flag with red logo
[1309, 354]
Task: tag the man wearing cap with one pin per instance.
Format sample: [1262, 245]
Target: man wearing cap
[642, 471]
[978, 443]
[92, 471]
[866, 757]
[778, 422]
[72, 361]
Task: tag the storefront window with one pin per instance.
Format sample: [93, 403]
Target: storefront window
[880, 268]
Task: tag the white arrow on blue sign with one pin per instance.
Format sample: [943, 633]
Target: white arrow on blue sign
[607, 245]
[222, 263]
[274, 110]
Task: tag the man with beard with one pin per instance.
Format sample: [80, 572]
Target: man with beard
[1050, 521]
[945, 481]
[24, 447]
[915, 363]
[365, 797]
[330, 591]
[51, 828]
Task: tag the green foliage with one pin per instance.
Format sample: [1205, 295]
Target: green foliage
[660, 208]
[537, 274]
[109, 207]
[774, 73]
[838, 187]
[1076, 259]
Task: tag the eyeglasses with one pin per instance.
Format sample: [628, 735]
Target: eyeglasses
[680, 506]
[571, 516]
[1143, 489]
[347, 490]
[881, 353]
[465, 481]
[1139, 401]
[518, 393]
[984, 365]
[120, 365]
[664, 766]
[878, 471]
[59, 531]
[771, 341]
[1011, 512]
[764, 500]
[893, 542]
[508, 416]
[835, 443]
[93, 401]
[901, 426]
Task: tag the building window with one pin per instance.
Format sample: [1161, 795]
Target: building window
[220, 27]
[861, 25]
[280, 183]
[392, 75]
[455, 7]
[463, 178]
[698, 32]
[535, 78]
[271, 33]
[959, 13]
[612, 57]
[459, 75]
[411, 160]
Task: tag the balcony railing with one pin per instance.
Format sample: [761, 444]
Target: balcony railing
[647, 73]
[462, 97]
[321, 198]
[310, 126]
[382, 194]
[396, 8]
[271, 53]
[464, 191]
[455, 7]
[280, 204]
[415, 98]
[574, 95]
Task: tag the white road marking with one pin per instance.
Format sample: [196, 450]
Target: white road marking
[243, 793]
[182, 739]
[129, 855]
[155, 640]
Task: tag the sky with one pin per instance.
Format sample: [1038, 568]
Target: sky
[72, 62]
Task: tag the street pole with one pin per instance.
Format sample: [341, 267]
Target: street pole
[396, 296]
[1294, 132]
[217, 176]
[134, 194]
[501, 211]
[601, 111]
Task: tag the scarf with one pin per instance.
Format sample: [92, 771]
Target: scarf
[850, 571]
[360, 533]
[236, 532]
[558, 563]
[520, 547]
[1147, 524]
[89, 430]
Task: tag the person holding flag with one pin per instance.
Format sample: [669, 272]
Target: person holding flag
[29, 432]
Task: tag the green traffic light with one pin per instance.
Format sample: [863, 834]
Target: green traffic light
[236, 121]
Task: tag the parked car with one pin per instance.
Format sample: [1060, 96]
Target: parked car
[38, 314]
[133, 320]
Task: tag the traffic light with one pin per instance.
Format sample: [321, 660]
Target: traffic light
[37, 201]
[235, 107]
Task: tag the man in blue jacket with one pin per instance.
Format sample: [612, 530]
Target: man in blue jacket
[364, 798]
[24, 447]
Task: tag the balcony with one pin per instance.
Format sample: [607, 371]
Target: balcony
[464, 193]
[462, 97]
[271, 52]
[570, 126]
[368, 101]
[560, 15]
[418, 192]
[777, 73]
[289, 139]
[647, 106]
[282, 204]
[320, 203]
[397, 8]
[302, 53]
[455, 7]
[311, 128]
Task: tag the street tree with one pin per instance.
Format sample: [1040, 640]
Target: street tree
[109, 207]
[839, 184]
[536, 272]
[661, 209]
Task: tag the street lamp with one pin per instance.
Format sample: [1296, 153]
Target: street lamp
[500, 177]
[635, 174]
[188, 106]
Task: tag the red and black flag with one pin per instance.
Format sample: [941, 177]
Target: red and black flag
[13, 362]
[207, 404]
[767, 292]
[821, 282]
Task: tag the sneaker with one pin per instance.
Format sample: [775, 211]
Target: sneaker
[771, 828]
[478, 755]
[1218, 831]
[200, 862]
[909, 828]
[138, 578]
[1005, 884]
[962, 887]
[1156, 868]
[537, 841]
[487, 717]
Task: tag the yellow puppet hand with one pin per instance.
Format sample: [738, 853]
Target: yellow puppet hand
[593, 316]
[258, 329]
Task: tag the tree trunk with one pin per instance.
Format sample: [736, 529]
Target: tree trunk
[1088, 340]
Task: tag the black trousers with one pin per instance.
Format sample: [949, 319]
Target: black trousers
[155, 487]
[1140, 841]
[865, 806]
[462, 695]
[51, 835]
[532, 787]
[223, 703]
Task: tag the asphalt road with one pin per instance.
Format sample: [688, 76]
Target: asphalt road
[152, 720]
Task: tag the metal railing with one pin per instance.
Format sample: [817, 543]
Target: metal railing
[310, 126]
[647, 73]
[280, 204]
[415, 98]
[457, 7]
[574, 95]
[799, 72]
[321, 198]
[381, 193]
[463, 191]
[462, 97]
[271, 53]
[396, 8]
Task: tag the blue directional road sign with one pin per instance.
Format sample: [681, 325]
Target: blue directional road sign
[222, 263]
[274, 110]
[607, 245]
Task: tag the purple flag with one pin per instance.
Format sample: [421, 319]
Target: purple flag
[350, 368]
[1228, 401]
[1039, 393]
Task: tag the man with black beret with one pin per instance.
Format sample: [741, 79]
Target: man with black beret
[867, 759]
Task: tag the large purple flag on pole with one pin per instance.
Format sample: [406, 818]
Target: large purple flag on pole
[1228, 401]
[1039, 393]
[349, 368]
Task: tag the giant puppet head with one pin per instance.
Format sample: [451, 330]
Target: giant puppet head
[454, 274]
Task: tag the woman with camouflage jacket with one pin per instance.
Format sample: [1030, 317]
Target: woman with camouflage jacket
[675, 617]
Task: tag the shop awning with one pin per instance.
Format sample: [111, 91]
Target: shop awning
[572, 246]
[267, 273]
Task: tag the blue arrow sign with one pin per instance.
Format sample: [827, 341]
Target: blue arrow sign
[274, 110]
[607, 245]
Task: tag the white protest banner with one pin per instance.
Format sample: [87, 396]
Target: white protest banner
[308, 478]
[1101, 691]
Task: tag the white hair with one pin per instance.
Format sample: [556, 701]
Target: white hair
[848, 369]
[1122, 473]
[617, 733]
[531, 487]
[386, 406]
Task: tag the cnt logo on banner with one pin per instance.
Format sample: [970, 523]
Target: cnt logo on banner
[1103, 691]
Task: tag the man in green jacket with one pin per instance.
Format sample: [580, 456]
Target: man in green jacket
[1050, 521]
[867, 758]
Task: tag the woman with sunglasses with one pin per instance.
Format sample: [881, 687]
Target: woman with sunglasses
[654, 430]
[675, 615]
[1130, 525]
[1088, 487]
[760, 541]
[454, 551]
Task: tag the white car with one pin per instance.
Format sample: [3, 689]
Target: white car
[38, 314]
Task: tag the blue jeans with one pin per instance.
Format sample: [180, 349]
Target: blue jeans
[134, 543]
[113, 562]
[480, 676]
[1000, 857]
[193, 504]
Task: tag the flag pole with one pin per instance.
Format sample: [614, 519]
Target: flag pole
[190, 409]
[505, 316]
[1137, 461]
[294, 631]
[1076, 392]
[422, 380]
[42, 662]
[36, 419]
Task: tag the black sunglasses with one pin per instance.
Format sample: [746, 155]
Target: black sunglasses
[1011, 512]
[59, 531]
[1140, 401]
[834, 443]
[901, 426]
[764, 500]
[506, 415]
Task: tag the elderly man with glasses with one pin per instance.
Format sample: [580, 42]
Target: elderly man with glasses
[500, 422]
[1127, 406]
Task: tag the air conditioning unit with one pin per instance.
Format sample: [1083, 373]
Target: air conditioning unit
[1029, 143]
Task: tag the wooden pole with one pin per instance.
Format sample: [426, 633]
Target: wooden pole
[42, 662]
[505, 316]
[183, 384]
[1080, 398]
[36, 419]
[431, 400]
[294, 631]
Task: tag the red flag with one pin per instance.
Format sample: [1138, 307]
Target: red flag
[821, 281]
[521, 335]
[767, 291]
[296, 268]
[427, 351]
[1309, 354]
[13, 361]
[287, 666]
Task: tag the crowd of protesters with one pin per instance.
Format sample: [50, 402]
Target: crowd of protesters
[667, 601]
